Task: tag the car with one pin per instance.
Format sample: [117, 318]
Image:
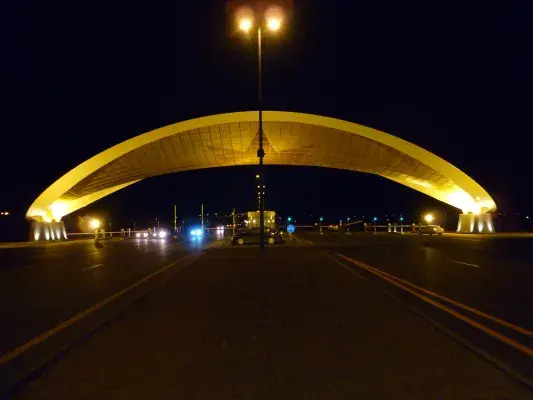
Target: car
[252, 236]
[142, 235]
[430, 230]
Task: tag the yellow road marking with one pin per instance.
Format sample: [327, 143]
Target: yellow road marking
[345, 267]
[303, 240]
[396, 281]
[6, 357]
[473, 310]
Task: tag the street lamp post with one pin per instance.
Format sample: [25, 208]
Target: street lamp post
[260, 151]
[245, 21]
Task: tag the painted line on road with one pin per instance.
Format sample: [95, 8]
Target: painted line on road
[359, 276]
[396, 282]
[444, 298]
[93, 267]
[304, 240]
[463, 263]
[6, 357]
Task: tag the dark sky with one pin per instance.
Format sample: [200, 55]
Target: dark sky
[454, 77]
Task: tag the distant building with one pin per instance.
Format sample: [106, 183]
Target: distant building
[253, 219]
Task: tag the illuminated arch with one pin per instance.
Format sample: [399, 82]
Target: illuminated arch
[231, 139]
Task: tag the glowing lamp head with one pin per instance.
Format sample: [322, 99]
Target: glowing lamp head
[274, 24]
[429, 218]
[245, 24]
[94, 224]
[274, 17]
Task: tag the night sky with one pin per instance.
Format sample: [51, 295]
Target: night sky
[453, 77]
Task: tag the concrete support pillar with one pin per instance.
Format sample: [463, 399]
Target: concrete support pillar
[471, 223]
[44, 231]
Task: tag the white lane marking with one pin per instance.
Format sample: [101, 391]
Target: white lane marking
[346, 267]
[93, 267]
[464, 263]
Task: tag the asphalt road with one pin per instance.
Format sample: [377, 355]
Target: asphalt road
[306, 320]
[491, 274]
[42, 286]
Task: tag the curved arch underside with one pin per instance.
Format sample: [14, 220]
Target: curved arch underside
[232, 139]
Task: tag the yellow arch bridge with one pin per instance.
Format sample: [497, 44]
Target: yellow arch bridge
[232, 139]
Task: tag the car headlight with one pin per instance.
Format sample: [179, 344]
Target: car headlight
[138, 235]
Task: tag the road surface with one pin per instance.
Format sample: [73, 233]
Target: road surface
[319, 317]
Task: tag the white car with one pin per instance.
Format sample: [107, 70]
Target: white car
[430, 230]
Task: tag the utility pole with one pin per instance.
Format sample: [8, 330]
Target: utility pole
[175, 219]
[233, 222]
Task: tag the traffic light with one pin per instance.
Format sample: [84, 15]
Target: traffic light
[375, 219]
[321, 219]
[289, 219]
[401, 218]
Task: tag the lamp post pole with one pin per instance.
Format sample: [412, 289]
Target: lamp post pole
[272, 18]
[260, 151]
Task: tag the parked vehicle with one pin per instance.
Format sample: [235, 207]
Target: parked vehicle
[430, 230]
[252, 236]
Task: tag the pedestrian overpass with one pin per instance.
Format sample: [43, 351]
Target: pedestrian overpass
[232, 139]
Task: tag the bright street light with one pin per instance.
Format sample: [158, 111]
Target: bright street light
[274, 24]
[94, 224]
[429, 218]
[245, 24]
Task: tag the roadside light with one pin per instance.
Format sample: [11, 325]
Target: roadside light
[94, 224]
[257, 176]
[274, 24]
[245, 24]
[428, 218]
[274, 18]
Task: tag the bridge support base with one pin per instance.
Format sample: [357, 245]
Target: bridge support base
[45, 231]
[471, 223]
